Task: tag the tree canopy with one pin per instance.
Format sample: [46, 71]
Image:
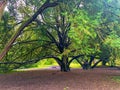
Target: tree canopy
[66, 30]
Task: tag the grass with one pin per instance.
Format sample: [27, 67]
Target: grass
[116, 78]
[75, 65]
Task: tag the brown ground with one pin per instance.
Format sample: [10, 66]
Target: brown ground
[77, 79]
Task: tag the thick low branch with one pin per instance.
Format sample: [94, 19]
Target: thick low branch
[23, 63]
[30, 41]
[96, 64]
[80, 62]
[75, 57]
[33, 60]
[22, 27]
[54, 57]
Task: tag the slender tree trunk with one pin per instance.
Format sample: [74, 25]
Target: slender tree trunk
[91, 59]
[2, 7]
[86, 65]
[104, 63]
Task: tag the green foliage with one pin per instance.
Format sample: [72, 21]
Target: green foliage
[113, 40]
[89, 27]
[82, 32]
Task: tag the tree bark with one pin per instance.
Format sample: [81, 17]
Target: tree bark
[2, 7]
[104, 63]
[64, 66]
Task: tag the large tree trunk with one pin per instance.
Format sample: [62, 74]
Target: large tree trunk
[2, 7]
[64, 64]
[64, 67]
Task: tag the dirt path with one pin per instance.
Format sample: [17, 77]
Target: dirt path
[97, 79]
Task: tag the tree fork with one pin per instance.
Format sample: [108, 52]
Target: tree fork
[46, 5]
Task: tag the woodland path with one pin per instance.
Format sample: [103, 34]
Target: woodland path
[53, 79]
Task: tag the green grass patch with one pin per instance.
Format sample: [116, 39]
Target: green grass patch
[75, 65]
[116, 78]
[45, 66]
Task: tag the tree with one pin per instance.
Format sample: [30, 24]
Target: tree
[70, 30]
[10, 43]
[60, 42]
[108, 19]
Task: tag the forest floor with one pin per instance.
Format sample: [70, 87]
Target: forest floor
[53, 79]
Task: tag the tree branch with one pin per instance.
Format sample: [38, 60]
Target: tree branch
[22, 27]
[74, 57]
[33, 60]
[96, 64]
